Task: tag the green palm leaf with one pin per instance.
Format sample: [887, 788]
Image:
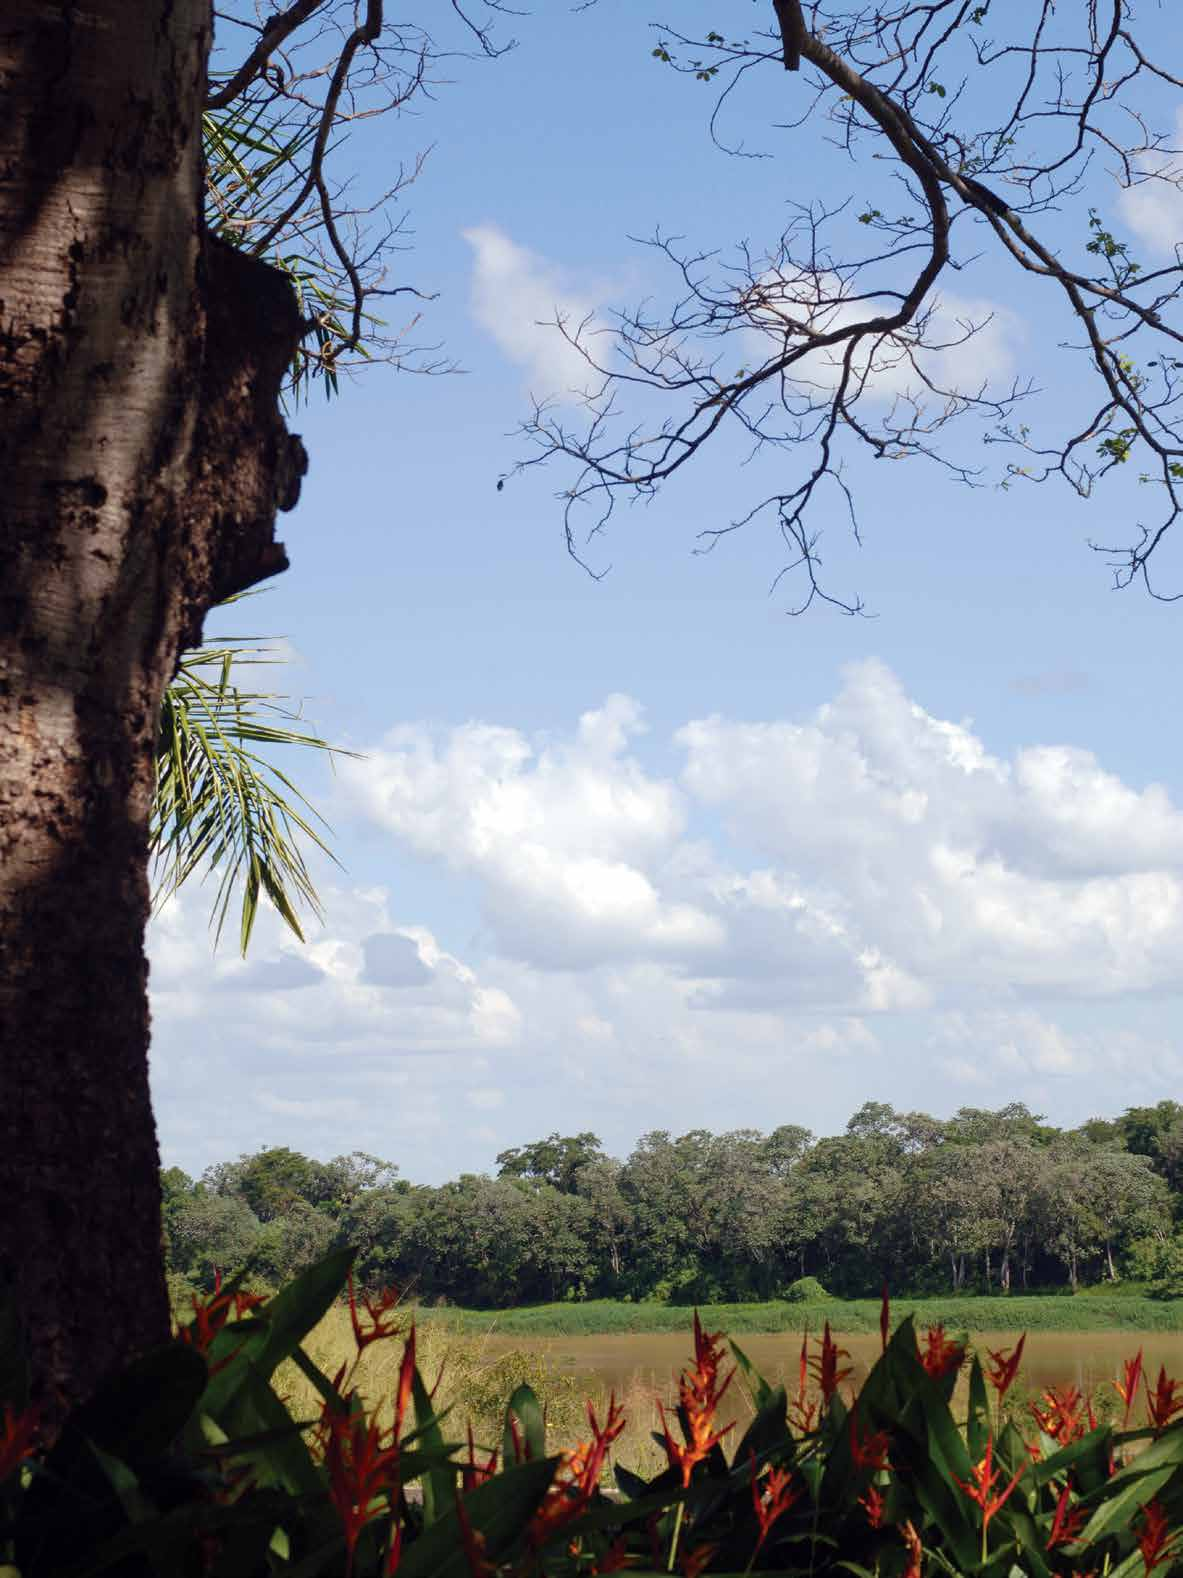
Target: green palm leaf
[223, 806]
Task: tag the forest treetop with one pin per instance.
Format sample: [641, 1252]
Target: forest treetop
[985, 1199]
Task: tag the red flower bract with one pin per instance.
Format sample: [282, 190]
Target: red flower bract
[829, 1374]
[699, 1395]
[1155, 1540]
[938, 1353]
[1004, 1366]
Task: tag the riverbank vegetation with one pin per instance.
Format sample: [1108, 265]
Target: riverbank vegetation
[994, 1203]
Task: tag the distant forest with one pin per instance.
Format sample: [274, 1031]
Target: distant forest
[986, 1201]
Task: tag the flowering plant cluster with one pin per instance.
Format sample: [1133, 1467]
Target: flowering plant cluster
[190, 1465]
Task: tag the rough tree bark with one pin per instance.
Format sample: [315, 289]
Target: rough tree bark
[143, 460]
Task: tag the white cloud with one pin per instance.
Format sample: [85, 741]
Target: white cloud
[518, 297]
[973, 341]
[864, 896]
[1153, 207]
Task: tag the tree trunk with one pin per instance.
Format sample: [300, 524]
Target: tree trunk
[143, 460]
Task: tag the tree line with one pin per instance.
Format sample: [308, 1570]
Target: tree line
[985, 1201]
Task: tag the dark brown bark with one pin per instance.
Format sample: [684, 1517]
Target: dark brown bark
[143, 460]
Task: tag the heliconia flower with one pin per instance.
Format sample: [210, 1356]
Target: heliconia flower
[614, 1559]
[939, 1354]
[1061, 1418]
[361, 1470]
[869, 1451]
[1162, 1404]
[394, 1551]
[699, 1395]
[802, 1411]
[1068, 1521]
[1155, 1540]
[826, 1368]
[884, 1316]
[577, 1475]
[1127, 1387]
[17, 1437]
[771, 1498]
[984, 1477]
[377, 1308]
[915, 1548]
[1004, 1366]
[210, 1316]
[473, 1473]
[872, 1502]
[694, 1561]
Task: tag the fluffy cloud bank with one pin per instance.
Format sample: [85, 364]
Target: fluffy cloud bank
[800, 913]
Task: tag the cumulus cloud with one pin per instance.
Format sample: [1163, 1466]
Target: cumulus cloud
[793, 913]
[518, 297]
[968, 342]
[1153, 206]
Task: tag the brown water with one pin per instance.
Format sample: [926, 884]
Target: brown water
[648, 1361]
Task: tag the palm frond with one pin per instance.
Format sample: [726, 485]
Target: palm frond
[220, 804]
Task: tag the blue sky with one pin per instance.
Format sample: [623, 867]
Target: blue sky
[645, 852]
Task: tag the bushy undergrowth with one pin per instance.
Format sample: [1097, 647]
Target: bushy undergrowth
[1107, 1312]
[200, 1462]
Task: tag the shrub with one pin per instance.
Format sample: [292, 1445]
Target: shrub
[189, 1463]
[806, 1290]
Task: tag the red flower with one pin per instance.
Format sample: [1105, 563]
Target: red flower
[1004, 1367]
[1061, 1419]
[694, 1561]
[376, 1308]
[360, 1469]
[577, 1475]
[1155, 1540]
[985, 1477]
[869, 1451]
[772, 1499]
[915, 1548]
[1068, 1521]
[1127, 1387]
[873, 1503]
[802, 1412]
[1162, 1404]
[17, 1437]
[473, 1473]
[699, 1394]
[826, 1368]
[939, 1354]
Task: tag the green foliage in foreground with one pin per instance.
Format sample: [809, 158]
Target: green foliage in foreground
[967, 1312]
[190, 1465]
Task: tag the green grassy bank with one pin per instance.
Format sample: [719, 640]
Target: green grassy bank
[1086, 1312]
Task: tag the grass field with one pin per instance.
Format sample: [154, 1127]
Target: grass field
[1085, 1312]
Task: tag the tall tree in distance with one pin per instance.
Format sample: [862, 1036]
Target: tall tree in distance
[145, 458]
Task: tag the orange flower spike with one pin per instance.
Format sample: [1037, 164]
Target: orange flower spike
[940, 1354]
[985, 1477]
[578, 1474]
[869, 1451]
[1004, 1366]
[17, 1437]
[830, 1374]
[1061, 1419]
[1165, 1401]
[1155, 1540]
[915, 1549]
[772, 1499]
[1068, 1521]
[1127, 1387]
